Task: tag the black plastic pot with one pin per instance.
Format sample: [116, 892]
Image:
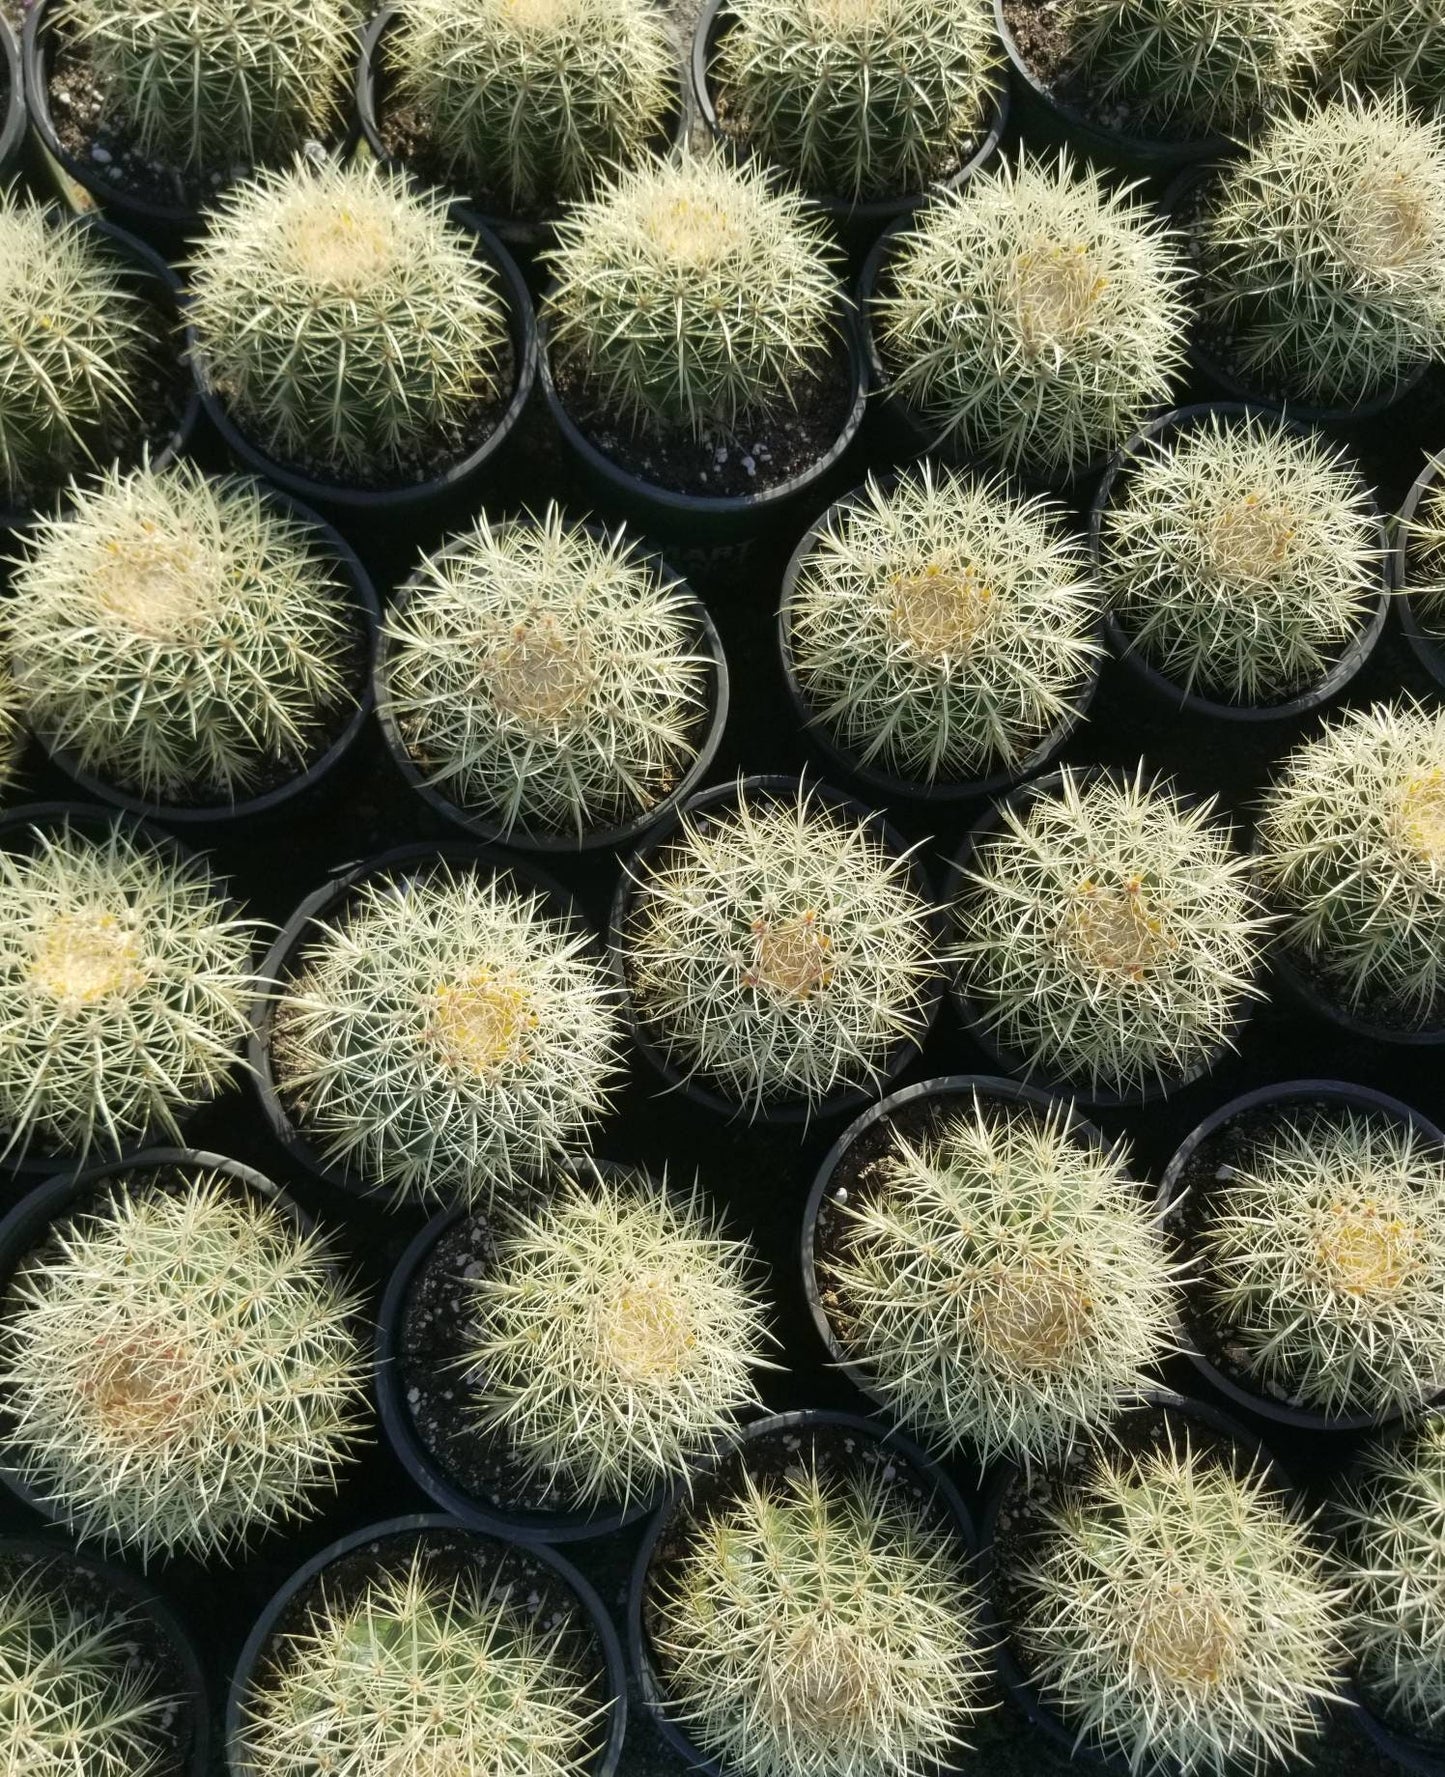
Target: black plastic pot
[857, 219]
[870, 777]
[1428, 649]
[159, 284]
[368, 609]
[1287, 1092]
[153, 1625]
[1351, 658]
[1408, 1750]
[1307, 991]
[420, 1528]
[523, 235]
[13, 114]
[458, 482]
[788, 1113]
[1005, 1059]
[323, 904]
[476, 822]
[651, 1686]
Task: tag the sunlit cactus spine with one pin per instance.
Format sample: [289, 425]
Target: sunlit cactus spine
[12, 731]
[1383, 45]
[202, 83]
[858, 100]
[529, 102]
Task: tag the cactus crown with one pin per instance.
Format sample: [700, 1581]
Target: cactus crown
[447, 1035]
[1178, 1614]
[181, 1366]
[180, 637]
[77, 1699]
[528, 102]
[426, 1671]
[1241, 558]
[1323, 250]
[1323, 1262]
[1383, 45]
[1001, 1280]
[206, 82]
[346, 321]
[1108, 932]
[615, 1330]
[942, 629]
[1352, 853]
[73, 337]
[692, 294]
[858, 100]
[124, 985]
[819, 1625]
[1034, 317]
[1392, 1557]
[1424, 537]
[778, 949]
[547, 674]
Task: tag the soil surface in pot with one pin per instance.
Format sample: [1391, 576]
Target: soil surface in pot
[1383, 1014]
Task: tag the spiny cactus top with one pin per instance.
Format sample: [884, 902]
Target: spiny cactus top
[181, 1365]
[182, 638]
[546, 678]
[857, 98]
[73, 336]
[1178, 1614]
[941, 630]
[614, 1333]
[1241, 558]
[446, 1035]
[527, 101]
[1351, 845]
[778, 950]
[818, 1624]
[1424, 539]
[1107, 932]
[692, 294]
[1034, 317]
[347, 323]
[1381, 44]
[1322, 1262]
[124, 985]
[212, 83]
[1323, 251]
[12, 731]
[1000, 1279]
[423, 1669]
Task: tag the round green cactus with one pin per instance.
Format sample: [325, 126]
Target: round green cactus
[1381, 46]
[1424, 539]
[12, 731]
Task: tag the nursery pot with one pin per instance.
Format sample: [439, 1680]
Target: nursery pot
[857, 220]
[161, 1637]
[872, 777]
[785, 1113]
[705, 640]
[1172, 1202]
[448, 488]
[1352, 655]
[1427, 648]
[713, 1475]
[13, 117]
[321, 905]
[536, 1561]
[1309, 992]
[366, 608]
[1005, 1060]
[1406, 1749]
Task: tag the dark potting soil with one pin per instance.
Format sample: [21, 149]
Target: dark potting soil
[1043, 31]
[1374, 1009]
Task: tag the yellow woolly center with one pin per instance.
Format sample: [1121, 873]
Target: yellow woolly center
[843, 16]
[825, 1678]
[1033, 1317]
[790, 957]
[140, 1394]
[539, 17]
[82, 958]
[1184, 1638]
[1390, 220]
[1115, 930]
[481, 1022]
[1365, 1249]
[541, 674]
[645, 1333]
[691, 231]
[938, 609]
[1056, 289]
[1422, 815]
[149, 583]
[344, 250]
[1249, 538]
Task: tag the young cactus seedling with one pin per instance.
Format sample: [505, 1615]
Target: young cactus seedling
[180, 638]
[942, 630]
[691, 296]
[1033, 318]
[615, 1333]
[1001, 1280]
[1383, 45]
[346, 322]
[528, 103]
[858, 100]
[546, 677]
[447, 1035]
[778, 950]
[1323, 251]
[182, 1367]
[1352, 854]
[1176, 1613]
[125, 980]
[1108, 933]
[1241, 558]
